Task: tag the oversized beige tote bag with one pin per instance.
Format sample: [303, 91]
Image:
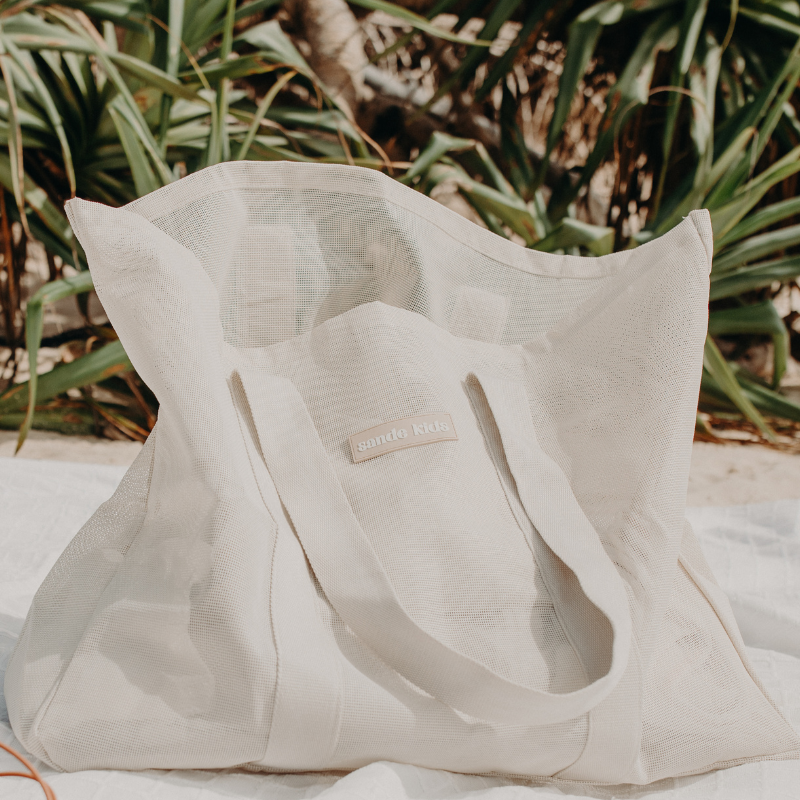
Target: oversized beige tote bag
[415, 493]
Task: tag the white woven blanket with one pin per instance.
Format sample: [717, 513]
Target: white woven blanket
[754, 551]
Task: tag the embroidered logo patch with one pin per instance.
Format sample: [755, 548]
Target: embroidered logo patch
[400, 434]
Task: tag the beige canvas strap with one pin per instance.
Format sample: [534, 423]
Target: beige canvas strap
[361, 592]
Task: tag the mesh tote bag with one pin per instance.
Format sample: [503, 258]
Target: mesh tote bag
[415, 494]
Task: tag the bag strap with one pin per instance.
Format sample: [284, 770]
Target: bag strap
[358, 588]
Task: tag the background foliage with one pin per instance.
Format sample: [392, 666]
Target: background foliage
[564, 125]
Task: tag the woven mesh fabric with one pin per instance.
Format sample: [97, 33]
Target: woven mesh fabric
[523, 600]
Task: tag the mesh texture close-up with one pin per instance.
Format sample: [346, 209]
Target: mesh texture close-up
[522, 597]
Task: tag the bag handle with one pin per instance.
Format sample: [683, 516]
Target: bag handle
[360, 591]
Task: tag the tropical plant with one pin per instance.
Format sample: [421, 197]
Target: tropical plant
[727, 138]
[109, 101]
[522, 108]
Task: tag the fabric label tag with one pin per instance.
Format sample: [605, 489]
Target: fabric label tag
[400, 434]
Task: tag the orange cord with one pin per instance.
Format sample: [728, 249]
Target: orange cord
[33, 773]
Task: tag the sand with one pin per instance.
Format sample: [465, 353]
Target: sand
[82, 449]
[721, 474]
[734, 474]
